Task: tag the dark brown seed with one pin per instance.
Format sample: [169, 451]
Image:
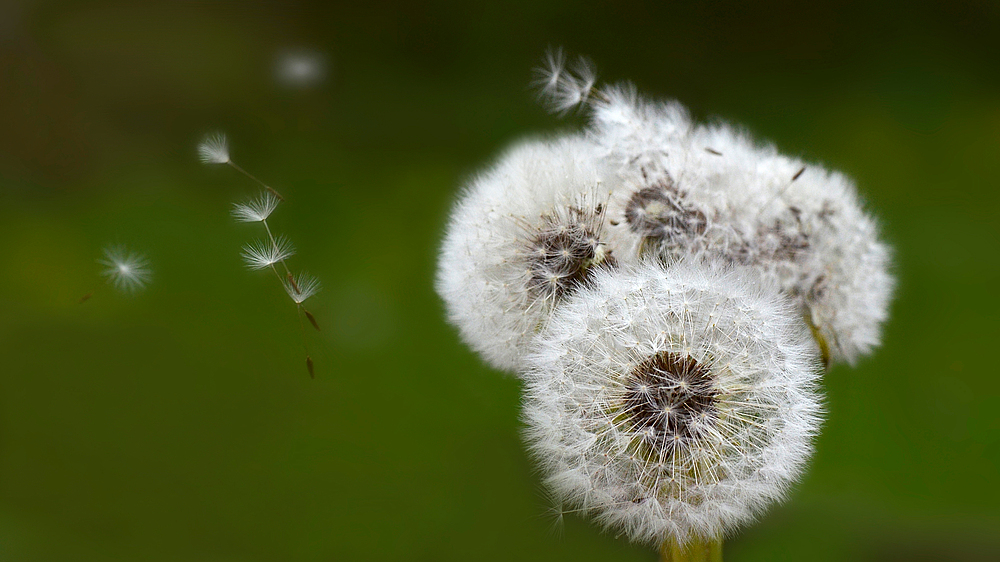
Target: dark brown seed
[666, 396]
[799, 173]
[713, 151]
[309, 365]
[312, 319]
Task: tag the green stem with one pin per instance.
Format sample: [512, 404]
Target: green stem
[695, 550]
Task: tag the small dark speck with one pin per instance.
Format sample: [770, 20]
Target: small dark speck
[713, 151]
[799, 173]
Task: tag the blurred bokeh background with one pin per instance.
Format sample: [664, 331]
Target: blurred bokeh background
[181, 424]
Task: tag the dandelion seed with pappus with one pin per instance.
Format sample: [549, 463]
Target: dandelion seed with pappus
[263, 254]
[214, 149]
[126, 270]
[257, 209]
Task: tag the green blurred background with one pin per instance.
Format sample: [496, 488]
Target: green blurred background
[180, 424]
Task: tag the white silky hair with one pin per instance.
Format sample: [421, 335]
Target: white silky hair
[748, 446]
[489, 274]
[126, 269]
[214, 149]
[796, 224]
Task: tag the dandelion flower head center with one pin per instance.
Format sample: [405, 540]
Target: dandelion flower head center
[671, 399]
[659, 211]
[561, 254]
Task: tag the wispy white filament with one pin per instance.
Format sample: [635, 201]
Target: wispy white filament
[301, 287]
[262, 254]
[214, 149]
[564, 89]
[126, 270]
[256, 210]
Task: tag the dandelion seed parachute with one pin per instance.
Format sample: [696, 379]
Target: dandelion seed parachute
[713, 192]
[214, 149]
[262, 254]
[672, 403]
[302, 286]
[256, 210]
[127, 270]
[522, 236]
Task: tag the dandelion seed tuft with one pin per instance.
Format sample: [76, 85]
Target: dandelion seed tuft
[300, 287]
[126, 270]
[257, 209]
[214, 149]
[547, 76]
[261, 254]
[562, 89]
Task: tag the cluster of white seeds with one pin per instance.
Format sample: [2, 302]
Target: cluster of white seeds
[667, 292]
[672, 401]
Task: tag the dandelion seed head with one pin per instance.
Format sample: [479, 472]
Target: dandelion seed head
[672, 402]
[214, 149]
[521, 237]
[126, 270]
[713, 192]
[261, 254]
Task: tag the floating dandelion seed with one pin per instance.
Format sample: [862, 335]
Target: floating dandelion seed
[561, 89]
[300, 68]
[214, 149]
[547, 76]
[256, 210]
[262, 254]
[126, 270]
[672, 404]
[302, 286]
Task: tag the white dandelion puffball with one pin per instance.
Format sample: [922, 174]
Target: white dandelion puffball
[712, 191]
[523, 236]
[672, 403]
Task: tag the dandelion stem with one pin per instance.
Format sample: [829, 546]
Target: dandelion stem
[249, 175]
[696, 550]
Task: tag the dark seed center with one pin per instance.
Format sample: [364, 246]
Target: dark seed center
[659, 211]
[561, 256]
[671, 399]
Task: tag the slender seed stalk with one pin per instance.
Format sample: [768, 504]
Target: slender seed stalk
[262, 184]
